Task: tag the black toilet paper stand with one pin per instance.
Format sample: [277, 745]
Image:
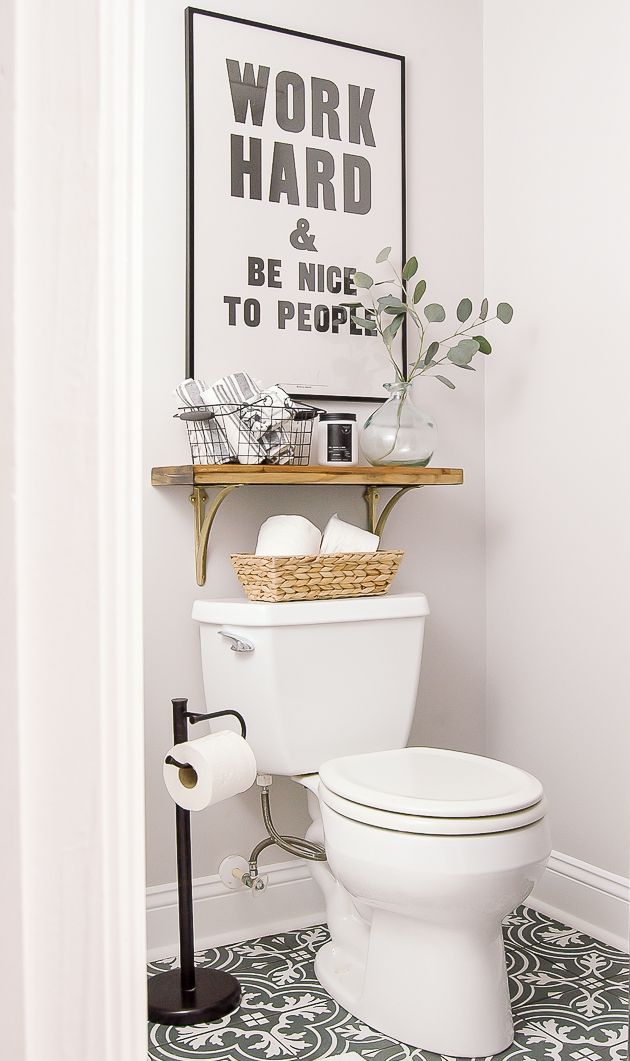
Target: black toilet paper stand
[188, 995]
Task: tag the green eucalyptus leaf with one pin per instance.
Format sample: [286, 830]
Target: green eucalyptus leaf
[446, 382]
[464, 310]
[410, 268]
[431, 352]
[397, 322]
[484, 345]
[468, 368]
[483, 312]
[383, 255]
[434, 313]
[362, 280]
[463, 353]
[456, 357]
[419, 291]
[505, 312]
[363, 322]
[389, 333]
[391, 300]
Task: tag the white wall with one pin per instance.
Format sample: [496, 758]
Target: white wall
[557, 232]
[11, 878]
[72, 981]
[440, 529]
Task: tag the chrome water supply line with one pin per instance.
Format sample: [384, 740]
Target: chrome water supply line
[295, 845]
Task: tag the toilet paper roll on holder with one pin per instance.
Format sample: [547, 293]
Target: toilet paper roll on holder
[188, 995]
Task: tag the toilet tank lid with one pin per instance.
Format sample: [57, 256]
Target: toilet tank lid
[305, 613]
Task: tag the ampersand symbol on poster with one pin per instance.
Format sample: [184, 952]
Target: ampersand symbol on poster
[300, 238]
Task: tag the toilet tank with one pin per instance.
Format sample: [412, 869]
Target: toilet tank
[314, 679]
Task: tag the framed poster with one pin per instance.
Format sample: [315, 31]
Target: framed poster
[296, 178]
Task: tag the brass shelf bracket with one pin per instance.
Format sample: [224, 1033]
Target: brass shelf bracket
[204, 518]
[376, 523]
[228, 477]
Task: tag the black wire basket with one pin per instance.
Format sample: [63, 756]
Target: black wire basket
[249, 433]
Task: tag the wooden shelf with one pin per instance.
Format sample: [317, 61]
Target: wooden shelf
[298, 475]
[229, 477]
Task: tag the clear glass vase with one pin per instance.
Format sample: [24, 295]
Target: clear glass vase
[398, 432]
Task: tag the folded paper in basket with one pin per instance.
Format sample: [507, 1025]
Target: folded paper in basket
[253, 425]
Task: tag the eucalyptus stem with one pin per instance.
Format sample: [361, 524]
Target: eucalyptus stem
[458, 356]
[379, 329]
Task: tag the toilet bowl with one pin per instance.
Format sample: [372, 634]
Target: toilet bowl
[424, 861]
[427, 849]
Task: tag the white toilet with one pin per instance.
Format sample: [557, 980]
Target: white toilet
[428, 849]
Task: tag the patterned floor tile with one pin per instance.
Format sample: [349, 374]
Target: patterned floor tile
[569, 999]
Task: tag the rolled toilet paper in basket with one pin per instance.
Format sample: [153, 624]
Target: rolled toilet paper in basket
[288, 536]
[216, 767]
[340, 537]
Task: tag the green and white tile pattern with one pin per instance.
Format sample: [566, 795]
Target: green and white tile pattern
[569, 999]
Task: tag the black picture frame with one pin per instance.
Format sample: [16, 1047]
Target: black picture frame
[189, 14]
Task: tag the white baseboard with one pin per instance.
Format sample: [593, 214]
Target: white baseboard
[586, 897]
[291, 901]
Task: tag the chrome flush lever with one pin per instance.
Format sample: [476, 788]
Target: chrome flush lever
[239, 644]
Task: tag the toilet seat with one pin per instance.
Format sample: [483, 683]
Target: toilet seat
[411, 823]
[431, 791]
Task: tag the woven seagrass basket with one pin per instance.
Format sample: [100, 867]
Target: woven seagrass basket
[323, 577]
